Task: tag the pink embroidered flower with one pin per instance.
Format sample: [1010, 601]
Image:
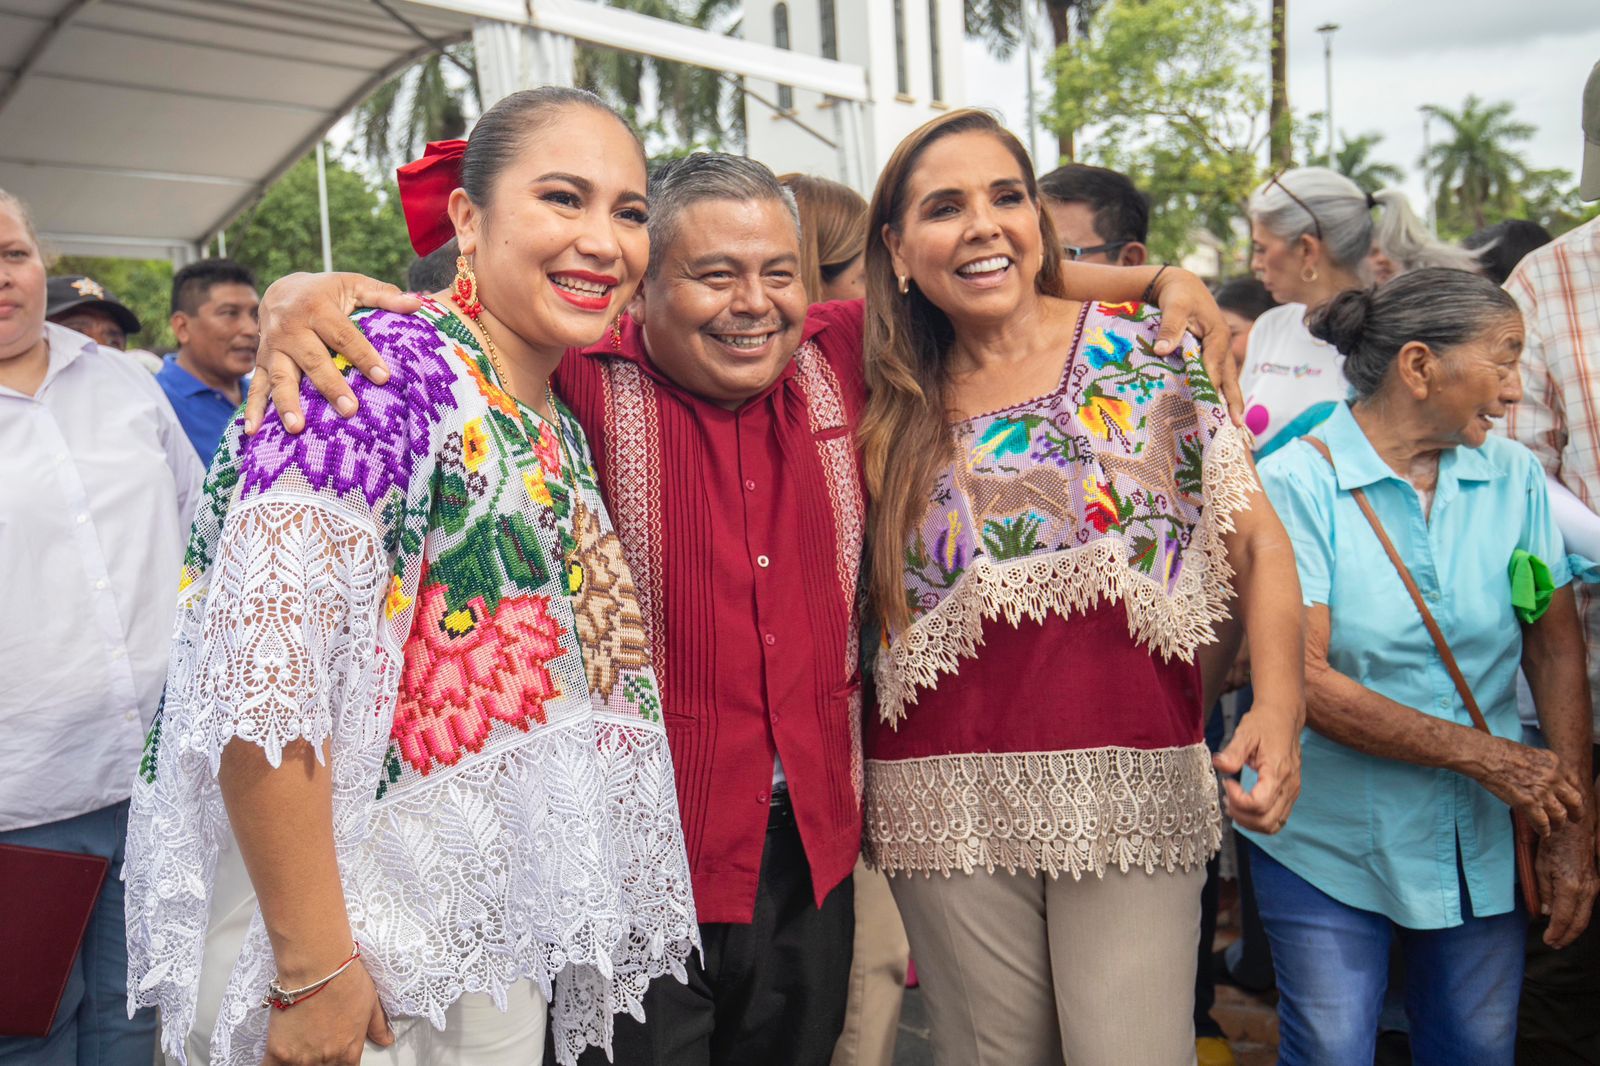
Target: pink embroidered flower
[465, 670]
[547, 446]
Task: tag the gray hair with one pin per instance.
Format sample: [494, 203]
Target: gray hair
[693, 179]
[1440, 307]
[1326, 201]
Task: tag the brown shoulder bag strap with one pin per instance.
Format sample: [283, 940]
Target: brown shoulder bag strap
[1365, 504]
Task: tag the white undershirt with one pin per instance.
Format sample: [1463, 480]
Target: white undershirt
[1286, 370]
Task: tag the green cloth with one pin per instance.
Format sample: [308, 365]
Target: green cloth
[1531, 586]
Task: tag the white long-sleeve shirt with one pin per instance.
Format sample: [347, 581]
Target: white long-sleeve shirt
[97, 487]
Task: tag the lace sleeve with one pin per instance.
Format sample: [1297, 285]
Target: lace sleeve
[289, 627]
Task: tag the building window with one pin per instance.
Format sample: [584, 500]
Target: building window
[933, 49]
[780, 38]
[902, 77]
[830, 31]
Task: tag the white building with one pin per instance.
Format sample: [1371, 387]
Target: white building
[911, 51]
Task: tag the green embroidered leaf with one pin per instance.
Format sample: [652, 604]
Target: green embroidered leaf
[1200, 382]
[1190, 473]
[1144, 553]
[391, 771]
[520, 554]
[1012, 538]
[450, 502]
[152, 747]
[471, 569]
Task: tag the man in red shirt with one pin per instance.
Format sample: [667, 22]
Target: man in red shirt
[720, 414]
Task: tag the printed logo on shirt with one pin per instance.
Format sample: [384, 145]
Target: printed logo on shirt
[1294, 370]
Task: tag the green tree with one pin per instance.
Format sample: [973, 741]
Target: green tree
[1176, 97]
[1352, 158]
[430, 101]
[143, 286]
[1550, 198]
[1001, 24]
[282, 233]
[693, 107]
[1475, 170]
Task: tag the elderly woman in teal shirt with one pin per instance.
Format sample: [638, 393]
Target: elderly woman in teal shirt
[1402, 832]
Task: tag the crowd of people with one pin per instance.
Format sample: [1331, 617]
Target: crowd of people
[707, 590]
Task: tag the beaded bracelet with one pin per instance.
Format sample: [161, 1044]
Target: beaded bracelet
[280, 998]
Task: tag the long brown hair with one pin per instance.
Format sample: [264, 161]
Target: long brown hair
[833, 228]
[905, 433]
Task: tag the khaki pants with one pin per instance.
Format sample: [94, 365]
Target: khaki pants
[877, 976]
[476, 1032]
[1019, 970]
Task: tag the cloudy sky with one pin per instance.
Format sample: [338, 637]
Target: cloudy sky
[1392, 56]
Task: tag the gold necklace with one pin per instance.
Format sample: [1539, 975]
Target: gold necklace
[500, 370]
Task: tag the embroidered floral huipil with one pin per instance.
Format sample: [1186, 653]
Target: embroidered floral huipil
[433, 588]
[1042, 709]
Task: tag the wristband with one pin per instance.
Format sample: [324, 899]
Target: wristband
[280, 998]
[1150, 289]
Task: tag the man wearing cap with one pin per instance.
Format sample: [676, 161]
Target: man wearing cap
[214, 318]
[85, 305]
[1558, 288]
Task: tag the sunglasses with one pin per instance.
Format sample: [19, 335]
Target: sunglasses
[1072, 251]
[1316, 222]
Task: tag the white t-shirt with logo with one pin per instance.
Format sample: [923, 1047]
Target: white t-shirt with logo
[1287, 370]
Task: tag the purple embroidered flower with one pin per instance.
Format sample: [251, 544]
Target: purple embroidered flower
[377, 449]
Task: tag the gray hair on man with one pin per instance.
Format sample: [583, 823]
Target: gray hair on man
[1326, 204]
[693, 179]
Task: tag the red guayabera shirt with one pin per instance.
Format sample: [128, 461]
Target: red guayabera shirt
[743, 530]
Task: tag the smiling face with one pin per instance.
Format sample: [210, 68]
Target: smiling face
[561, 244]
[1479, 381]
[724, 312]
[22, 286]
[969, 237]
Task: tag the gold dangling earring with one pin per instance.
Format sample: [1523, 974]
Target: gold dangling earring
[1311, 270]
[905, 288]
[465, 290]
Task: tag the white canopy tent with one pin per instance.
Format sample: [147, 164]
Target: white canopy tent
[141, 128]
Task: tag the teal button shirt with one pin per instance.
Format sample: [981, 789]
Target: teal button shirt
[1376, 833]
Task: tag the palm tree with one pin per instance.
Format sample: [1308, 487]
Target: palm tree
[1279, 118]
[429, 101]
[1000, 24]
[435, 98]
[1354, 160]
[693, 105]
[1474, 168]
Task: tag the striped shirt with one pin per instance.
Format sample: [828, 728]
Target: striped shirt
[1558, 289]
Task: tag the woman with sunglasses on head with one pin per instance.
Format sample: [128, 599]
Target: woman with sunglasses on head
[1311, 232]
[411, 700]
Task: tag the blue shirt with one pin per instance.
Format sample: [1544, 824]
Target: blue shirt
[1377, 833]
[203, 412]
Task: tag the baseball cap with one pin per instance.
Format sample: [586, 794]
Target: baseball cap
[74, 291]
[1589, 185]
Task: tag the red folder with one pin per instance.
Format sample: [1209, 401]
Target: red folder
[46, 898]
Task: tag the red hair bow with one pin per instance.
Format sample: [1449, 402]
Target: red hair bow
[425, 188]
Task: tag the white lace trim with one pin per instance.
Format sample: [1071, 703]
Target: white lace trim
[1172, 622]
[1072, 812]
[557, 859]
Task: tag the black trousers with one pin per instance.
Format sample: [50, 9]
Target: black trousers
[1558, 1020]
[771, 993]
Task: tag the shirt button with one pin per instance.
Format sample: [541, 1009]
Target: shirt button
[762, 797]
[127, 716]
[763, 562]
[749, 485]
[770, 639]
[118, 653]
[82, 519]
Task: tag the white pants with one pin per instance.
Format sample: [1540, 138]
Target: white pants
[477, 1033]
